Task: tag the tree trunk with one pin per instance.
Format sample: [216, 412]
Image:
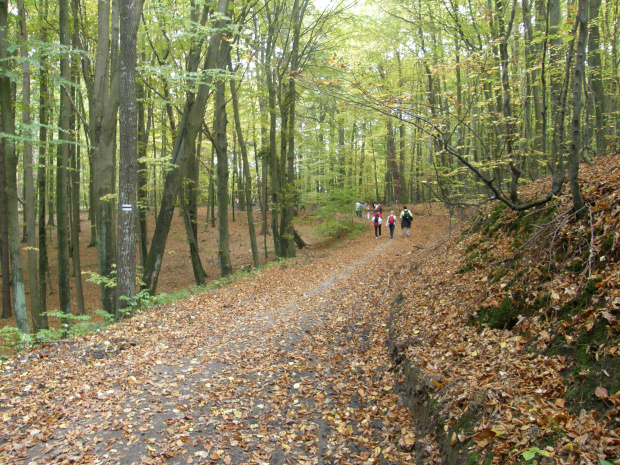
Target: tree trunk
[595, 68]
[199, 272]
[62, 169]
[29, 192]
[75, 182]
[10, 162]
[75, 228]
[7, 311]
[128, 161]
[103, 109]
[391, 158]
[515, 161]
[246, 173]
[574, 156]
[44, 101]
[212, 188]
[143, 175]
[220, 122]
[264, 153]
[193, 187]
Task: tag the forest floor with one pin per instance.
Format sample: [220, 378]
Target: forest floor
[286, 365]
[176, 273]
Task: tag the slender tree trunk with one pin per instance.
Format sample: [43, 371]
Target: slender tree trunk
[50, 196]
[391, 158]
[62, 168]
[103, 109]
[7, 311]
[246, 173]
[199, 272]
[264, 152]
[222, 167]
[515, 161]
[212, 187]
[75, 229]
[42, 173]
[29, 191]
[193, 187]
[74, 181]
[143, 174]
[10, 162]
[574, 156]
[595, 68]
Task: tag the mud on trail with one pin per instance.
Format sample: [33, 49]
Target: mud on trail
[288, 365]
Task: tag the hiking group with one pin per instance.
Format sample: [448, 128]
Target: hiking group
[377, 219]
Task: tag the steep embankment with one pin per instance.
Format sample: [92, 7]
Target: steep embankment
[508, 336]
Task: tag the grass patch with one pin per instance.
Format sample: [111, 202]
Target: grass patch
[502, 317]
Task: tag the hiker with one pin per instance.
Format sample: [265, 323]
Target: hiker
[367, 207]
[405, 221]
[377, 220]
[379, 208]
[358, 208]
[391, 222]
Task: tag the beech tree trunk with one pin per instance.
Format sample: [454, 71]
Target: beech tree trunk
[128, 162]
[222, 167]
[10, 179]
[75, 181]
[29, 192]
[102, 86]
[391, 158]
[595, 68]
[143, 177]
[62, 168]
[44, 101]
[192, 239]
[246, 173]
[7, 311]
[574, 156]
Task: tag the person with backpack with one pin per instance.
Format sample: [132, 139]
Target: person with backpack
[391, 222]
[377, 220]
[358, 208]
[405, 221]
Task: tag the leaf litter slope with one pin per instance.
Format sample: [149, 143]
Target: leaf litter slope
[287, 366]
[540, 384]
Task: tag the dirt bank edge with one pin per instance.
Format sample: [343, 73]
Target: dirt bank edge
[416, 391]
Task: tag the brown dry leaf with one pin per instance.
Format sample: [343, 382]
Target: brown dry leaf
[601, 393]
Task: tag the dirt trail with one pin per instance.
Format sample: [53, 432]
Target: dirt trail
[286, 366]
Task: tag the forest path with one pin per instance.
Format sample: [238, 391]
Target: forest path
[286, 366]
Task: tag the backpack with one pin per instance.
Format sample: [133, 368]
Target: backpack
[407, 215]
[391, 219]
[375, 218]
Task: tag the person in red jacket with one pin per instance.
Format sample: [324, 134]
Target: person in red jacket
[391, 222]
[377, 220]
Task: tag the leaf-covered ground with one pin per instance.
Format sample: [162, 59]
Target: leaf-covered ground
[288, 365]
[509, 335]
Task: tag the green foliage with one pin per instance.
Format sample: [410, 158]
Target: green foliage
[71, 326]
[96, 278]
[533, 452]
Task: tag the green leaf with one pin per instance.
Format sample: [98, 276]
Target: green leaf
[528, 455]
